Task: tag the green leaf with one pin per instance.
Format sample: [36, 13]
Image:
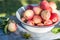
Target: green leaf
[56, 30]
[26, 35]
[5, 29]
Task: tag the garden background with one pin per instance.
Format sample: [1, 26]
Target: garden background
[9, 7]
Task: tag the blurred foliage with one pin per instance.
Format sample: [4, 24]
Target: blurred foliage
[9, 7]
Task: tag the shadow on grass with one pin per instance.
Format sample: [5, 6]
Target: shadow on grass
[9, 6]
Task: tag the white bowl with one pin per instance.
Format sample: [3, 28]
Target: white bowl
[30, 28]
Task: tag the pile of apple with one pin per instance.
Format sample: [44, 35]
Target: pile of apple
[41, 15]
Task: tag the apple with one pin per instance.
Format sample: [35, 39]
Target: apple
[37, 19]
[40, 24]
[12, 27]
[53, 5]
[37, 10]
[29, 7]
[54, 17]
[28, 14]
[30, 22]
[44, 5]
[23, 19]
[48, 22]
[45, 15]
[49, 9]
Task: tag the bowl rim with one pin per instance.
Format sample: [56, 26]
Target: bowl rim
[30, 25]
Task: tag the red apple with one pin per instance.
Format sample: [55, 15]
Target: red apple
[23, 19]
[44, 5]
[29, 7]
[37, 10]
[40, 24]
[37, 19]
[53, 5]
[45, 15]
[48, 22]
[30, 22]
[12, 27]
[49, 9]
[54, 17]
[28, 14]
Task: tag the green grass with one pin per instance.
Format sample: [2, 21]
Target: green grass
[9, 7]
